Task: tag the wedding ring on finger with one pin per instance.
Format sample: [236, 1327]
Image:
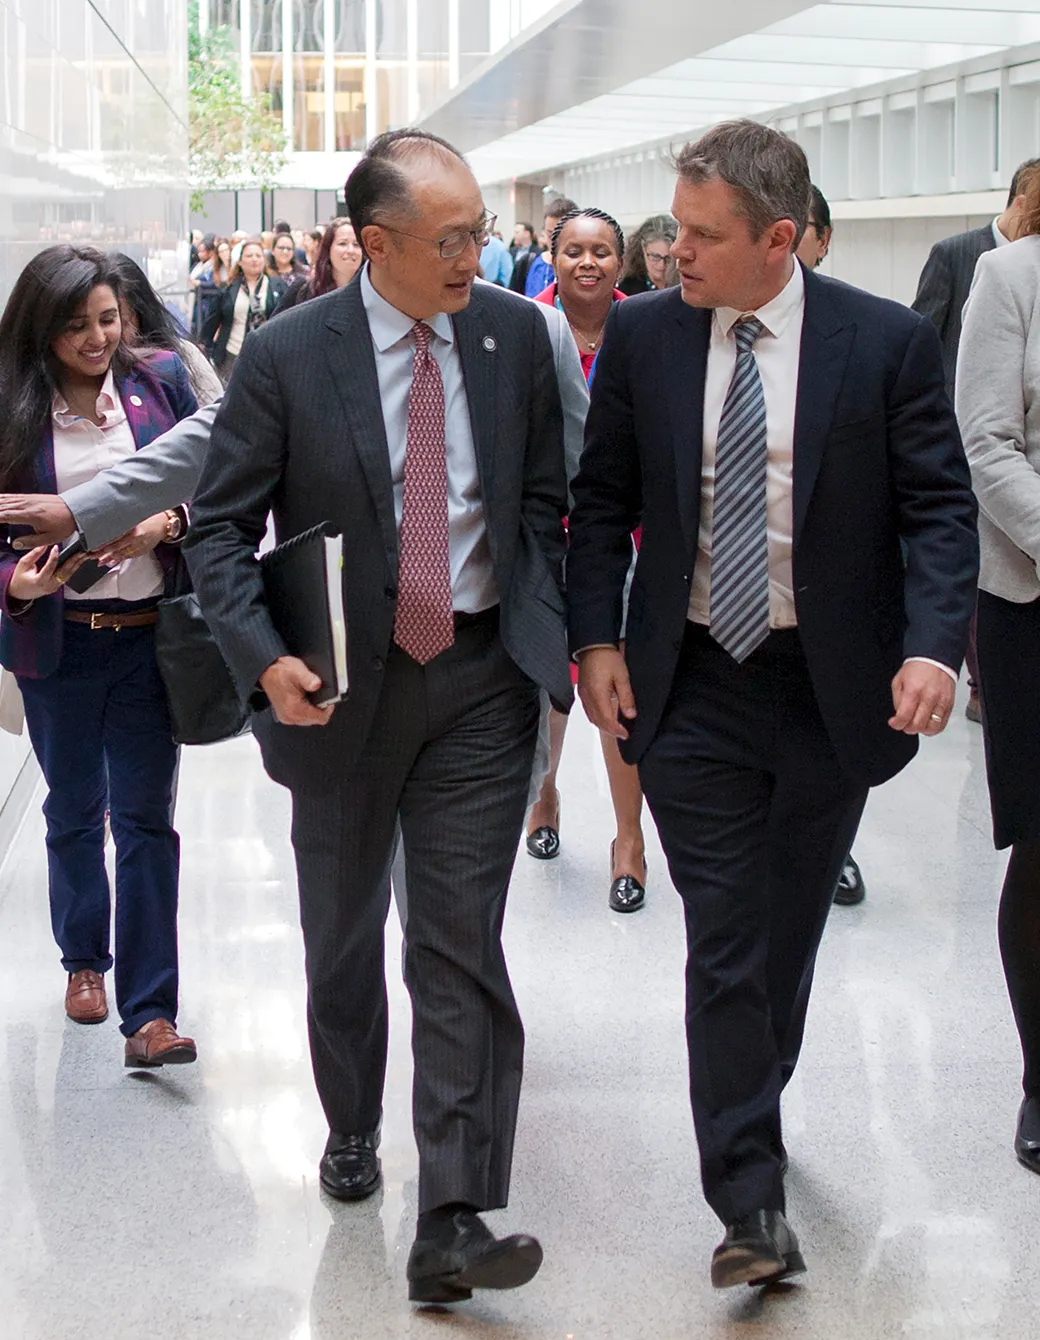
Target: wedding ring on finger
[935, 717]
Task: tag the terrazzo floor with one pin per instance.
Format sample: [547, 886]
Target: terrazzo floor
[184, 1204]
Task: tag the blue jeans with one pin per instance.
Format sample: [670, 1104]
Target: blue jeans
[100, 728]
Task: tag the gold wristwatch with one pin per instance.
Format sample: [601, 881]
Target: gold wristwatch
[174, 526]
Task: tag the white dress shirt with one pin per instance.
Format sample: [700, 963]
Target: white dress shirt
[998, 236]
[83, 449]
[777, 352]
[473, 583]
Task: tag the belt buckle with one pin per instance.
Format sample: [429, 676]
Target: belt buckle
[99, 625]
[94, 627]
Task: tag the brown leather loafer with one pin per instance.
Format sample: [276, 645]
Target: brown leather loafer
[85, 1001]
[156, 1044]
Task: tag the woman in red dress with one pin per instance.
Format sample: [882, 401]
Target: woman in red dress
[588, 248]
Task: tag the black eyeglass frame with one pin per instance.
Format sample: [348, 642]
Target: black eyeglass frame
[479, 235]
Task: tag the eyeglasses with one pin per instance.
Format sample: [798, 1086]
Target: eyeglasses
[658, 257]
[453, 244]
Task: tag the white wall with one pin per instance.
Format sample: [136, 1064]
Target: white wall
[885, 256]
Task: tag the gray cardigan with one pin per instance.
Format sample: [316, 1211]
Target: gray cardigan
[998, 405]
[164, 474]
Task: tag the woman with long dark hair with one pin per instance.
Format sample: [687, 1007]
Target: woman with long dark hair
[284, 263]
[336, 262]
[148, 324]
[247, 302]
[76, 399]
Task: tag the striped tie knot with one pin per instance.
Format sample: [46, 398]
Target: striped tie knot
[746, 333]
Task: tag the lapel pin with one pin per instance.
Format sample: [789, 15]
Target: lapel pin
[489, 344]
[136, 400]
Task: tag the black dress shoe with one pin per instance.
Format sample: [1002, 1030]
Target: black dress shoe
[761, 1248]
[349, 1168]
[1027, 1134]
[468, 1256]
[544, 843]
[850, 888]
[626, 892]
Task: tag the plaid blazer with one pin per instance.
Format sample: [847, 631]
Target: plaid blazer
[156, 395]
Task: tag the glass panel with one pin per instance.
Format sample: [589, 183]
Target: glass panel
[392, 27]
[308, 75]
[350, 104]
[267, 25]
[349, 27]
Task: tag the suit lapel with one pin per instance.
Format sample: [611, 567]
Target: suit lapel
[136, 409]
[43, 464]
[352, 364]
[684, 354]
[478, 354]
[827, 335]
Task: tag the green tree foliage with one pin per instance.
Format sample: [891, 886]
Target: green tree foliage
[233, 142]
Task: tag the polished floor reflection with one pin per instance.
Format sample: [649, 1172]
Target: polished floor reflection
[184, 1204]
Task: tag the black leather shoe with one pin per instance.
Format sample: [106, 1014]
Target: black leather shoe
[468, 1256]
[1027, 1135]
[544, 843]
[761, 1248]
[850, 888]
[626, 892]
[349, 1168]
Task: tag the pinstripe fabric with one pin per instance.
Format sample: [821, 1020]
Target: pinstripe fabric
[453, 741]
[739, 539]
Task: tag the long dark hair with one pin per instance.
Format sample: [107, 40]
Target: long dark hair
[156, 328]
[322, 279]
[45, 297]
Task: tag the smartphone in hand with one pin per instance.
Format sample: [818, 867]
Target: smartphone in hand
[88, 574]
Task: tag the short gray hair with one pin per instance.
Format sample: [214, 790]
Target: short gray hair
[767, 170]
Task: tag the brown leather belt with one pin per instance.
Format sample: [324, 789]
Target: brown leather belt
[139, 619]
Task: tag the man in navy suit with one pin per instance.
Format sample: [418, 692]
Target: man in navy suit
[782, 439]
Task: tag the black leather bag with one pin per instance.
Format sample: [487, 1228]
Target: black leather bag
[204, 702]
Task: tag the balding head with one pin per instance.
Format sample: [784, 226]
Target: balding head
[420, 219]
[382, 186]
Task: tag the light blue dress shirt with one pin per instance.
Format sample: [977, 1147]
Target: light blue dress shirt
[473, 584]
[496, 262]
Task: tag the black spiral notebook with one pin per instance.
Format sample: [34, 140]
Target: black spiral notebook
[303, 583]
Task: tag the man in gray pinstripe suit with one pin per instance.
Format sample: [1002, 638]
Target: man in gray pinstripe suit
[422, 416]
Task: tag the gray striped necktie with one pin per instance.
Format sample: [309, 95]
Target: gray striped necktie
[739, 539]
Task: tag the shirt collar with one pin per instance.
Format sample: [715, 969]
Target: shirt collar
[388, 326]
[998, 236]
[777, 314]
[109, 406]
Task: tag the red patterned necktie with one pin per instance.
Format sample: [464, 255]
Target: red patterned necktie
[424, 625]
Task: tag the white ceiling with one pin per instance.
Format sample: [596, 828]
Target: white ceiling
[819, 51]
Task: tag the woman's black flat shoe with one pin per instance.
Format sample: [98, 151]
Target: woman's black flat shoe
[626, 892]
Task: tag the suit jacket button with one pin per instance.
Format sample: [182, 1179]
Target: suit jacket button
[377, 663]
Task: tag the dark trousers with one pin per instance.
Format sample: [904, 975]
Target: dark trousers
[756, 817]
[450, 754]
[100, 728]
